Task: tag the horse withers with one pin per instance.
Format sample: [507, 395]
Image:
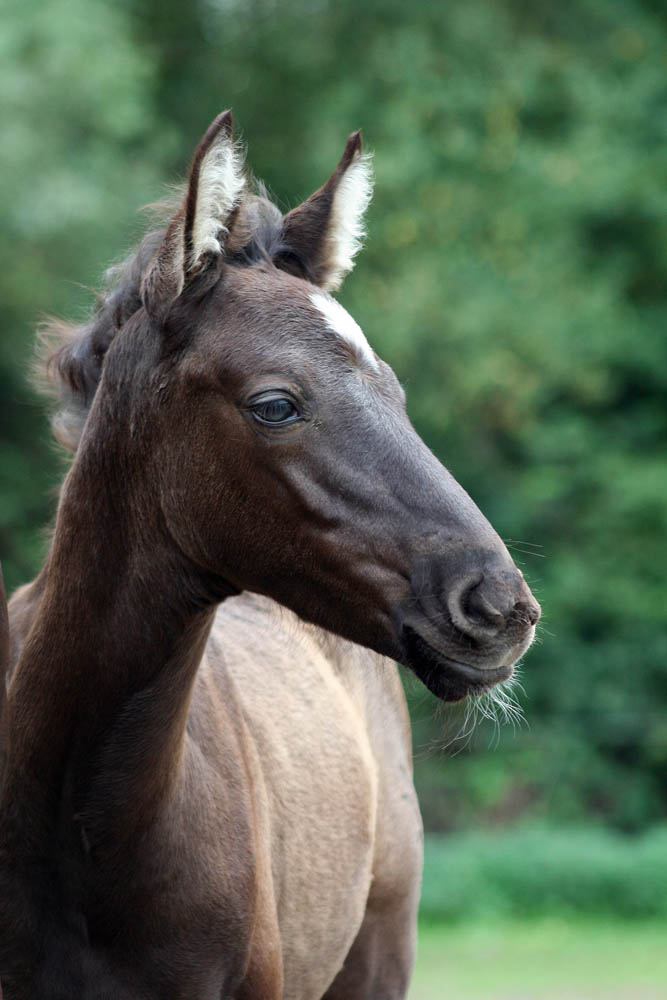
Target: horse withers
[206, 790]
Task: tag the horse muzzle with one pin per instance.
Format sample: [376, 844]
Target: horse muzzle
[462, 636]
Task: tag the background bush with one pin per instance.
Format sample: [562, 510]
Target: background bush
[515, 277]
[580, 872]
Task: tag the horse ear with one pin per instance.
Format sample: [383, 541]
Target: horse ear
[195, 236]
[323, 235]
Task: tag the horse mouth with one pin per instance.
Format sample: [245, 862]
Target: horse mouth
[447, 679]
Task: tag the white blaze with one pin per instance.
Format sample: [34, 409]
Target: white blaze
[341, 323]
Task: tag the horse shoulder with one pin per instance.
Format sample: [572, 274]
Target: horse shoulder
[22, 609]
[329, 734]
[316, 788]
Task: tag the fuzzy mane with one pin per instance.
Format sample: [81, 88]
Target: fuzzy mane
[70, 356]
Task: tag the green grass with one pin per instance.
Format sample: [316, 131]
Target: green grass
[547, 959]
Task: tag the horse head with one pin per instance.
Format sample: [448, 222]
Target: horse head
[272, 441]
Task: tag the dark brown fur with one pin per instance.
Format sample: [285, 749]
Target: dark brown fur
[207, 795]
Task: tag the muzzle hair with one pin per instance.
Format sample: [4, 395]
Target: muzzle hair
[499, 705]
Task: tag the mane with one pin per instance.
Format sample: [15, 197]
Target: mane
[70, 356]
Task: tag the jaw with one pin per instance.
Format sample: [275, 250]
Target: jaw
[448, 679]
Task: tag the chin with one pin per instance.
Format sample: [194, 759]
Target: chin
[448, 679]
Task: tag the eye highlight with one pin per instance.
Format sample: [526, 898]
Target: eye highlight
[275, 410]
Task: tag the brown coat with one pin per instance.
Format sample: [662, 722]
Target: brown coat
[203, 796]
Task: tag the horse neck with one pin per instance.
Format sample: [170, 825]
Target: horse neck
[99, 697]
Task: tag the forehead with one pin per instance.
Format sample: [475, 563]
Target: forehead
[280, 311]
[344, 327]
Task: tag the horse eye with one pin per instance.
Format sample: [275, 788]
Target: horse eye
[278, 410]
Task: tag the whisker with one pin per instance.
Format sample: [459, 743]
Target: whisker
[500, 706]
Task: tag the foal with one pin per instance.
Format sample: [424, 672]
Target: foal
[206, 782]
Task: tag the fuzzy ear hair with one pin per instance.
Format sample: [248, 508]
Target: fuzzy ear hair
[323, 235]
[196, 234]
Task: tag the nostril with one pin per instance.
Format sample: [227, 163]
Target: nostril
[478, 609]
[472, 612]
[484, 607]
[529, 611]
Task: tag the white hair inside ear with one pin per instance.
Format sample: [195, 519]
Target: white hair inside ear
[346, 224]
[219, 189]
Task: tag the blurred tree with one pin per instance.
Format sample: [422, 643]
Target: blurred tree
[79, 140]
[514, 276]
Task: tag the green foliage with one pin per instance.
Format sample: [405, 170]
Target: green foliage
[532, 873]
[515, 277]
[79, 142]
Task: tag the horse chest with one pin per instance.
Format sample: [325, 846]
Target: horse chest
[315, 782]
